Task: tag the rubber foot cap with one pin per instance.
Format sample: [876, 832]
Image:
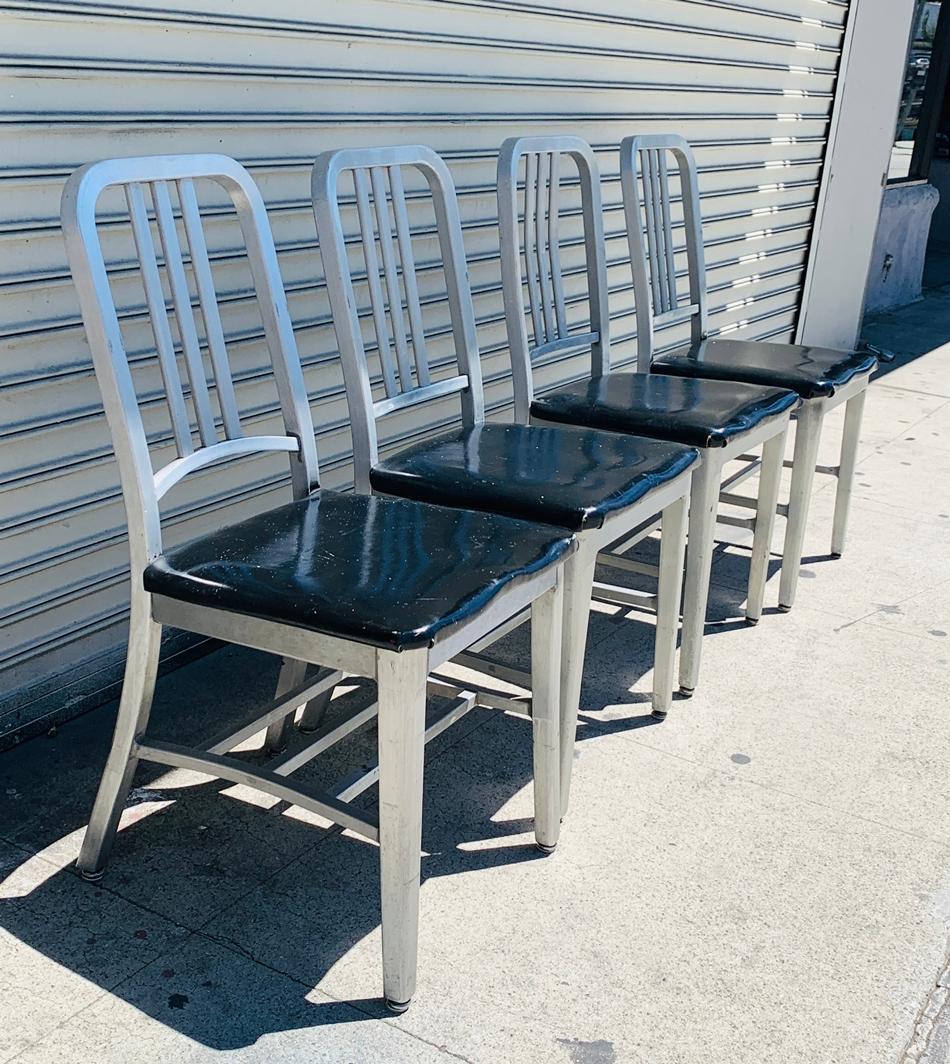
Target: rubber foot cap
[545, 849]
[836, 554]
[397, 1007]
[92, 877]
[659, 714]
[687, 692]
[784, 609]
[752, 621]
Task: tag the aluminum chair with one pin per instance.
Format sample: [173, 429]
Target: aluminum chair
[722, 418]
[599, 485]
[386, 589]
[822, 377]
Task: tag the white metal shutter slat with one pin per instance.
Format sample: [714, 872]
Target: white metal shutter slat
[749, 82]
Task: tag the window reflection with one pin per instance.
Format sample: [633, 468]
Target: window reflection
[919, 54]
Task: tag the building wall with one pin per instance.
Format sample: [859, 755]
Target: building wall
[855, 172]
[750, 83]
[900, 246]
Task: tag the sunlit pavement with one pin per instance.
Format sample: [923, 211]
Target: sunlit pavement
[765, 877]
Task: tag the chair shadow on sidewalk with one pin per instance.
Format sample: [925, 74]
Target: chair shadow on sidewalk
[220, 911]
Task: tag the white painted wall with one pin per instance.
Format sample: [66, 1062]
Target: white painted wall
[856, 166]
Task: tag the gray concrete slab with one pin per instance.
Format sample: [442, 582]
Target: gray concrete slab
[852, 743]
[201, 1001]
[770, 927]
[881, 567]
[764, 877]
[63, 945]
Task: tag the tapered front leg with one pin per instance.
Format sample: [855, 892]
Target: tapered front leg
[292, 674]
[672, 552]
[808, 423]
[401, 680]
[770, 477]
[703, 509]
[546, 626]
[853, 415]
[315, 711]
[138, 687]
[578, 581]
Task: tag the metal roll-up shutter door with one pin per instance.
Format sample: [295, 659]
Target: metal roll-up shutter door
[749, 82]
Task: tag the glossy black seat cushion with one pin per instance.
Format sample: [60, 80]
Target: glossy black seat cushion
[387, 572]
[573, 477]
[701, 413]
[813, 372]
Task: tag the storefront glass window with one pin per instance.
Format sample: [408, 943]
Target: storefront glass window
[919, 57]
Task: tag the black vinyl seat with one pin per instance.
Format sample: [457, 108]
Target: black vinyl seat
[813, 372]
[388, 572]
[700, 413]
[572, 477]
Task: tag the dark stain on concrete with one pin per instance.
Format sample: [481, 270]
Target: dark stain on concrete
[740, 759]
[599, 1052]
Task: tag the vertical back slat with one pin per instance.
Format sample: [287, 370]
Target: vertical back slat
[208, 302]
[554, 242]
[367, 235]
[645, 161]
[377, 179]
[407, 261]
[541, 230]
[659, 265]
[670, 260]
[181, 300]
[530, 246]
[659, 236]
[693, 231]
[653, 228]
[158, 317]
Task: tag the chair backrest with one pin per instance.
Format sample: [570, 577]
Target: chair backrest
[645, 176]
[379, 191]
[153, 186]
[534, 163]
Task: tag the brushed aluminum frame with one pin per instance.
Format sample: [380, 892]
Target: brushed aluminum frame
[528, 153]
[669, 500]
[809, 419]
[401, 677]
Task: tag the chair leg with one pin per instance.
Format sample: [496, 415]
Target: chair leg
[546, 631]
[770, 477]
[854, 412]
[401, 679]
[315, 711]
[578, 582]
[807, 437]
[292, 674]
[672, 553]
[138, 687]
[703, 509]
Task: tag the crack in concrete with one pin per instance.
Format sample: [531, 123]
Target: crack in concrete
[934, 1012]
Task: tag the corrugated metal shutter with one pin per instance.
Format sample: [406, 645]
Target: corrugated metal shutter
[749, 83]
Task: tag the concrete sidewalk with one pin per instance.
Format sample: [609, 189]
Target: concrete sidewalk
[765, 877]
